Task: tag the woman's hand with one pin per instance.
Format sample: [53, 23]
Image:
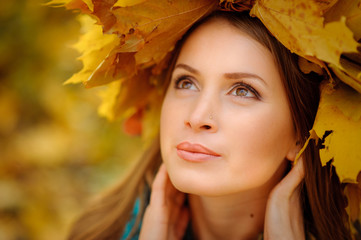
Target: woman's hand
[166, 217]
[284, 213]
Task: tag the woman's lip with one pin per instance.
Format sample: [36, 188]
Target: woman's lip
[195, 152]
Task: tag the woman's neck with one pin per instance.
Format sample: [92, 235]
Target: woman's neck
[235, 216]
[230, 217]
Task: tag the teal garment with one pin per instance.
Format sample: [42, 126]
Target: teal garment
[131, 223]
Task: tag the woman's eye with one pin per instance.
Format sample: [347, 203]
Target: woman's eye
[185, 84]
[242, 92]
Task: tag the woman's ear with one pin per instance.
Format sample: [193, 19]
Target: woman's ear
[292, 153]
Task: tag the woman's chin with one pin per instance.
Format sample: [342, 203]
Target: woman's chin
[196, 190]
[198, 186]
[210, 184]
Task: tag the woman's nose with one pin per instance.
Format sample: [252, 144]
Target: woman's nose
[202, 116]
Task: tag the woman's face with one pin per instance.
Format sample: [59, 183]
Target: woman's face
[226, 126]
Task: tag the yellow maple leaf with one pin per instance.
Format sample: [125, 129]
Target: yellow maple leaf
[350, 71]
[299, 25]
[94, 46]
[147, 42]
[143, 50]
[160, 22]
[338, 124]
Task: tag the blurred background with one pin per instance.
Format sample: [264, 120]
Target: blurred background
[55, 151]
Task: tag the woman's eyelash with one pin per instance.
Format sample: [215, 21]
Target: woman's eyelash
[248, 87]
[179, 80]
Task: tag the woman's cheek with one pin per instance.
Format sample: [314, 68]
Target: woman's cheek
[169, 126]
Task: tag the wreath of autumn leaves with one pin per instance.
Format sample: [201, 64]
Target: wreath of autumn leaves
[126, 46]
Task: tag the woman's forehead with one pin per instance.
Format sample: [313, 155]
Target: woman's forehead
[220, 33]
[219, 45]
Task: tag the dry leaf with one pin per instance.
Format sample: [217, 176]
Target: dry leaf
[299, 25]
[151, 28]
[350, 71]
[128, 49]
[94, 46]
[340, 115]
[146, 41]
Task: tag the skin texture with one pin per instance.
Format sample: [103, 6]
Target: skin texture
[226, 94]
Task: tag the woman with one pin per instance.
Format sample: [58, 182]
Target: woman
[237, 111]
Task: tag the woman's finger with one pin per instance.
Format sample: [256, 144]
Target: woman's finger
[292, 180]
[156, 217]
[158, 195]
[284, 215]
[165, 216]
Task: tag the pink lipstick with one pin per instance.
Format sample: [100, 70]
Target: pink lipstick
[195, 152]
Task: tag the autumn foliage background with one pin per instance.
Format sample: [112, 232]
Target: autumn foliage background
[55, 151]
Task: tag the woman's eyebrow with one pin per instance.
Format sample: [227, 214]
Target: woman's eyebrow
[187, 67]
[240, 75]
[235, 75]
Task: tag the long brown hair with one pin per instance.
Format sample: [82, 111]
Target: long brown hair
[322, 193]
